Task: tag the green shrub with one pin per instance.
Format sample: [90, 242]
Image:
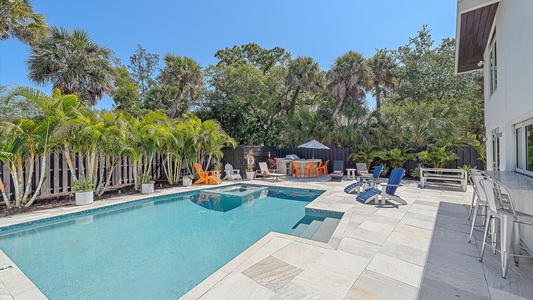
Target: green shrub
[82, 185]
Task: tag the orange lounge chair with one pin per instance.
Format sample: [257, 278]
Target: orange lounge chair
[205, 177]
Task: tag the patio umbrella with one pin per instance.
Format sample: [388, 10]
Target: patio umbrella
[314, 144]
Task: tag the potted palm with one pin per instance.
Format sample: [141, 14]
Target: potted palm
[187, 180]
[147, 186]
[249, 164]
[83, 191]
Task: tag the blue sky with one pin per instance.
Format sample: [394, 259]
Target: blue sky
[323, 30]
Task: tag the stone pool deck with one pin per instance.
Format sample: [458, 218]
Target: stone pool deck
[416, 251]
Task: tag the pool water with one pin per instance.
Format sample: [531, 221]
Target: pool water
[150, 249]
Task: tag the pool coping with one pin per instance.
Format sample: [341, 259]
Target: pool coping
[15, 284]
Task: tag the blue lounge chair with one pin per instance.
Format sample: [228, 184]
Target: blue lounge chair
[355, 187]
[386, 193]
[338, 170]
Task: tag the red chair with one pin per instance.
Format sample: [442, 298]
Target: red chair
[319, 169]
[309, 170]
[295, 169]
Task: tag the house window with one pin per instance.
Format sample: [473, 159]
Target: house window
[493, 67]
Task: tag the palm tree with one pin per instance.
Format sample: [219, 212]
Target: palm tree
[19, 20]
[184, 73]
[349, 80]
[381, 67]
[303, 74]
[73, 63]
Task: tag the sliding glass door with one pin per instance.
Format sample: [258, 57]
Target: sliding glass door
[524, 147]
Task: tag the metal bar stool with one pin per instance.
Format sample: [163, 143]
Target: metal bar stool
[479, 200]
[508, 229]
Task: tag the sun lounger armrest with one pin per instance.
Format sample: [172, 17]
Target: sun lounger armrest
[386, 184]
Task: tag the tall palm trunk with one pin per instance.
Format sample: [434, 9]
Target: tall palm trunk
[4, 195]
[29, 177]
[68, 158]
[41, 180]
[378, 97]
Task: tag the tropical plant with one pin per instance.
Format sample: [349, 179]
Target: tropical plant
[82, 186]
[19, 20]
[348, 80]
[89, 72]
[147, 179]
[185, 74]
[398, 157]
[478, 142]
[367, 156]
[24, 141]
[437, 157]
[467, 168]
[382, 66]
[415, 173]
[422, 124]
[145, 137]
[303, 75]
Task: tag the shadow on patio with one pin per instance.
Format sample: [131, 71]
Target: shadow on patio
[453, 269]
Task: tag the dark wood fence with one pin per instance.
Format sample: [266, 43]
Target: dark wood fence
[467, 156]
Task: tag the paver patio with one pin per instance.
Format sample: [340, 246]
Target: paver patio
[419, 250]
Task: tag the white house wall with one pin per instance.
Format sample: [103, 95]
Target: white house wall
[512, 102]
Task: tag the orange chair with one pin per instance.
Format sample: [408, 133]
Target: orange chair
[325, 168]
[309, 170]
[319, 169]
[295, 169]
[205, 177]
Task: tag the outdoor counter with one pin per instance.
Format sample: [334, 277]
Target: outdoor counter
[521, 189]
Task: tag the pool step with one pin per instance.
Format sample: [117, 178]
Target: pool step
[311, 229]
[299, 229]
[325, 230]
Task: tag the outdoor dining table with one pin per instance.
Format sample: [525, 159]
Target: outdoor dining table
[303, 163]
[521, 189]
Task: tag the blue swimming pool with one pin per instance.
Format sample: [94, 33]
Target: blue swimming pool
[157, 248]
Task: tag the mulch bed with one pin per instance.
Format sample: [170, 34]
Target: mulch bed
[65, 200]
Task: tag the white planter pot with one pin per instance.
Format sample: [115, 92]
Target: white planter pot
[147, 188]
[250, 175]
[84, 198]
[187, 182]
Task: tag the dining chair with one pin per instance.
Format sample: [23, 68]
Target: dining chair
[319, 169]
[508, 230]
[295, 169]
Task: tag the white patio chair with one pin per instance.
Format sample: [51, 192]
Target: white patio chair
[232, 174]
[266, 173]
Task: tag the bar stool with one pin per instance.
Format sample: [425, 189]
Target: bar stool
[319, 169]
[479, 200]
[295, 169]
[508, 229]
[474, 193]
